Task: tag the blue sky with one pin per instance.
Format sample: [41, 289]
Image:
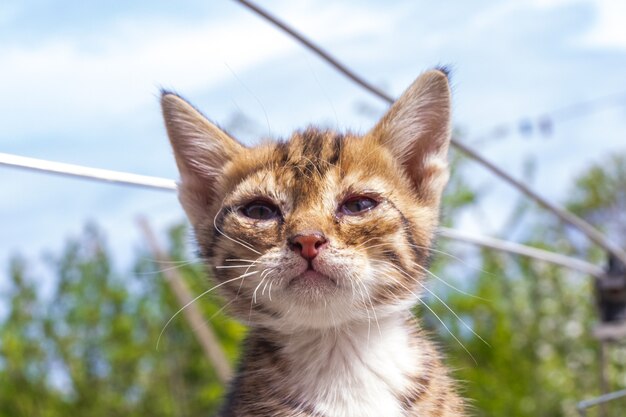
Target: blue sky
[81, 80]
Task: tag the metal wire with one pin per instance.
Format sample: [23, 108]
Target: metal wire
[584, 405]
[163, 184]
[95, 174]
[567, 217]
[524, 250]
[546, 120]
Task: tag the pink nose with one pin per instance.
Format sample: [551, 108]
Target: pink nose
[308, 245]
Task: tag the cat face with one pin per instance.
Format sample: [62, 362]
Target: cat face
[324, 228]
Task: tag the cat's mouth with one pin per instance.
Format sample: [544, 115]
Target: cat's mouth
[312, 279]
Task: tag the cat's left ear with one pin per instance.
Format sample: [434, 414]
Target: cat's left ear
[417, 131]
[202, 150]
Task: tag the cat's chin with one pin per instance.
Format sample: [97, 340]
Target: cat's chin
[312, 287]
[312, 279]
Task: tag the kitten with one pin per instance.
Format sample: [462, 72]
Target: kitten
[324, 240]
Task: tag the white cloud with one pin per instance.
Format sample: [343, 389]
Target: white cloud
[609, 27]
[8, 12]
[67, 80]
[492, 15]
[550, 4]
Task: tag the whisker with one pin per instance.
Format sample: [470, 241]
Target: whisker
[468, 327]
[432, 274]
[379, 244]
[417, 247]
[158, 271]
[456, 258]
[368, 240]
[240, 260]
[263, 292]
[254, 294]
[269, 291]
[220, 310]
[166, 262]
[353, 290]
[196, 299]
[373, 310]
[247, 269]
[245, 245]
[233, 266]
[215, 314]
[369, 318]
[436, 315]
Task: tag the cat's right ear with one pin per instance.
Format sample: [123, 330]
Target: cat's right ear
[416, 129]
[201, 150]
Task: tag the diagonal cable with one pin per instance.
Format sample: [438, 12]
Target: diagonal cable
[584, 227]
[71, 170]
[164, 184]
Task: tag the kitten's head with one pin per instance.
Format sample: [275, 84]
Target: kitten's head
[324, 228]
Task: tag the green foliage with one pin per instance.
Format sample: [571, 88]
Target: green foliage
[89, 348]
[539, 358]
[534, 321]
[599, 195]
[602, 189]
[85, 344]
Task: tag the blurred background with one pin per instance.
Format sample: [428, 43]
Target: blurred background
[539, 89]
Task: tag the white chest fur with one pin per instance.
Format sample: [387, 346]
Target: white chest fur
[357, 371]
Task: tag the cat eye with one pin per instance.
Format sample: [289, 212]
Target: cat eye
[357, 205]
[260, 210]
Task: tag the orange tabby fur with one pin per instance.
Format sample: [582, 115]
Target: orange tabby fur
[343, 343]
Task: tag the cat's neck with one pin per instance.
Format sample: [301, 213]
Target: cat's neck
[360, 369]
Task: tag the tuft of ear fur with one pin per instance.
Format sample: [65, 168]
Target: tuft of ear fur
[416, 130]
[201, 150]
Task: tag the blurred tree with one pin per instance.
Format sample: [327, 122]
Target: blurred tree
[537, 319]
[599, 195]
[89, 349]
